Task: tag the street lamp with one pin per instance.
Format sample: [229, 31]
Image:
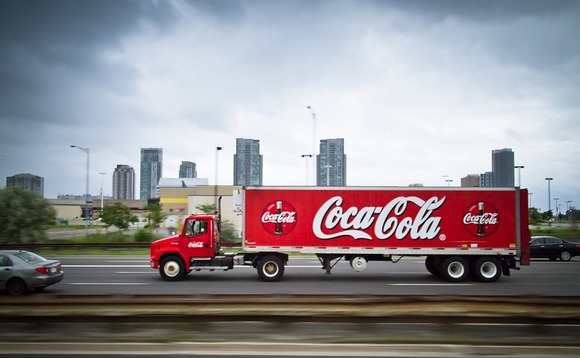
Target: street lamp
[556, 207]
[530, 200]
[448, 181]
[549, 197]
[86, 150]
[102, 174]
[519, 167]
[306, 156]
[313, 114]
[217, 150]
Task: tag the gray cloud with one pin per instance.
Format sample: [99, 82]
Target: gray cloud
[418, 89]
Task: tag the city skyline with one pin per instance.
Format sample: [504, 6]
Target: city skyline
[505, 156]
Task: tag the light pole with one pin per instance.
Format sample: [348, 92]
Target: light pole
[530, 200]
[519, 167]
[556, 207]
[2, 177]
[102, 174]
[549, 198]
[86, 150]
[306, 156]
[568, 205]
[313, 114]
[217, 150]
[448, 181]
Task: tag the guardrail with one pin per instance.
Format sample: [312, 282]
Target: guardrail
[294, 308]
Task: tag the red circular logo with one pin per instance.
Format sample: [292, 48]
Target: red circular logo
[481, 219]
[279, 217]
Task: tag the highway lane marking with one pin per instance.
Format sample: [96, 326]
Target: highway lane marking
[104, 266]
[431, 284]
[107, 283]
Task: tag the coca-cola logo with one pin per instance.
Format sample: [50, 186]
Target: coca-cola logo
[402, 217]
[279, 217]
[195, 244]
[481, 219]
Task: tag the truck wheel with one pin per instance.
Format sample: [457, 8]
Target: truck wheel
[565, 256]
[270, 268]
[172, 268]
[432, 265]
[487, 269]
[454, 269]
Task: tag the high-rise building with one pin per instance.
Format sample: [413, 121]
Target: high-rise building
[248, 162]
[124, 182]
[151, 172]
[502, 167]
[28, 182]
[187, 170]
[486, 180]
[471, 180]
[331, 163]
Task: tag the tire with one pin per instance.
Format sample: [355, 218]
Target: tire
[487, 269]
[172, 268]
[454, 269]
[432, 265]
[16, 287]
[270, 268]
[565, 256]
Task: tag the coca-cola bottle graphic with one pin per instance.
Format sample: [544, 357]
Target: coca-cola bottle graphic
[279, 229]
[480, 223]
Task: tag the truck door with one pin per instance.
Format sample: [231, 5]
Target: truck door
[196, 241]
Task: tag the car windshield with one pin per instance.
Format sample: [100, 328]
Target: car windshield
[30, 257]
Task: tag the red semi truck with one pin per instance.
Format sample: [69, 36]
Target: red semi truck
[461, 232]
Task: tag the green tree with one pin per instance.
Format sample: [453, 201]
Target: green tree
[118, 215]
[24, 216]
[206, 208]
[535, 216]
[155, 215]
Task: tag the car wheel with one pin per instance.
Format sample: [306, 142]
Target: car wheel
[565, 256]
[454, 269]
[16, 286]
[270, 268]
[172, 268]
[487, 269]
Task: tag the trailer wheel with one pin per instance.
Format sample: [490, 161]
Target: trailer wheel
[172, 268]
[487, 269]
[270, 268]
[454, 269]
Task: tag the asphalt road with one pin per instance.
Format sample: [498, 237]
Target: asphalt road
[131, 275]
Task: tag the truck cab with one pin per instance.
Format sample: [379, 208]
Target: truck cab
[197, 247]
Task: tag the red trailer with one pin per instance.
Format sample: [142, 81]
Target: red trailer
[459, 231]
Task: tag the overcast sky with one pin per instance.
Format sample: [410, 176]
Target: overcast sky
[419, 90]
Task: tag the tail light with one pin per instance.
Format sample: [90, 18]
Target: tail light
[42, 270]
